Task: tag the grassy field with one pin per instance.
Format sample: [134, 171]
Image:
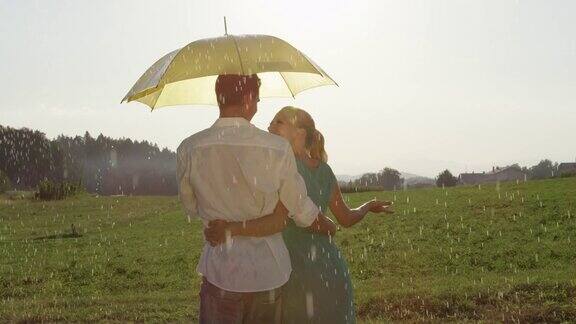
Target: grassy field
[492, 253]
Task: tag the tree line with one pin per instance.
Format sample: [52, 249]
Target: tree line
[121, 166]
[542, 170]
[391, 179]
[101, 165]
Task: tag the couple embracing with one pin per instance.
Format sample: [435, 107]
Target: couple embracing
[262, 196]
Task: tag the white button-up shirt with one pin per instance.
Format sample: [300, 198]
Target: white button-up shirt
[236, 172]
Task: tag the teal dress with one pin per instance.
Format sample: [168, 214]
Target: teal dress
[319, 289]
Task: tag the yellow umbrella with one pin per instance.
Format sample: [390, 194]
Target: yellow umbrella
[187, 75]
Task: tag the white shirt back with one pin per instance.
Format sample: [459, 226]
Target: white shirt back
[236, 172]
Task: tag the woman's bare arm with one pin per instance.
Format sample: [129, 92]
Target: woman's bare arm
[219, 230]
[263, 226]
[347, 216]
[323, 225]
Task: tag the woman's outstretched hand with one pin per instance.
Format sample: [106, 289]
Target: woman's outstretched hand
[377, 206]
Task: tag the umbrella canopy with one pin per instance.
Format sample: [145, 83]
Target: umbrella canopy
[187, 75]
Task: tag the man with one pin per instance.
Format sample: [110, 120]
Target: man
[235, 172]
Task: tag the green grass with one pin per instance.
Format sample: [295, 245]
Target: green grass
[461, 254]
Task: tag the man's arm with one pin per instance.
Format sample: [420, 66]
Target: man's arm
[185, 190]
[294, 196]
[292, 191]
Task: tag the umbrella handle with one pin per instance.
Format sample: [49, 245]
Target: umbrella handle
[225, 27]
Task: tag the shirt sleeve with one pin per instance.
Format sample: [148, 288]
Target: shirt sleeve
[185, 190]
[293, 192]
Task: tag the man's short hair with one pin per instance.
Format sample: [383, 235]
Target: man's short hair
[231, 88]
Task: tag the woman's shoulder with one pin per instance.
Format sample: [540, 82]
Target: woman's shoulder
[326, 168]
[324, 165]
[318, 167]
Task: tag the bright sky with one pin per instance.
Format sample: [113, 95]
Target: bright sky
[424, 85]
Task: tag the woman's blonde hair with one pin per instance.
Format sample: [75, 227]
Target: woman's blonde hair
[314, 139]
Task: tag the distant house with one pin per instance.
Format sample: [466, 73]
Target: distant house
[510, 173]
[566, 168]
[472, 178]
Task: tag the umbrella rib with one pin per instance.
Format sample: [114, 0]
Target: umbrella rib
[287, 85]
[318, 69]
[161, 77]
[156, 100]
[238, 52]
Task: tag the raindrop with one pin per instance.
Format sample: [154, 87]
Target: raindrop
[309, 304]
[313, 253]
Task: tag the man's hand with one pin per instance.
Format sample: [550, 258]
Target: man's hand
[217, 232]
[377, 206]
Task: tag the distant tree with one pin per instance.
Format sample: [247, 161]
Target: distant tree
[544, 169]
[368, 179]
[387, 179]
[25, 156]
[446, 179]
[390, 179]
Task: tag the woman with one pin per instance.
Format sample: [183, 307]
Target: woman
[319, 289]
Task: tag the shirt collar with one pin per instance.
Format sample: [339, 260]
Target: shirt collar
[231, 121]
